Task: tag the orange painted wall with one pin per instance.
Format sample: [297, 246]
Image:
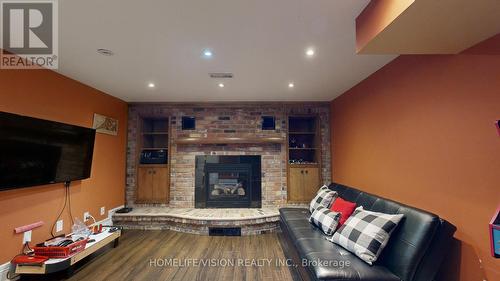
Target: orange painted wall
[48, 95]
[421, 131]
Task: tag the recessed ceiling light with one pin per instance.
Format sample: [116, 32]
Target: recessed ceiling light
[207, 53]
[310, 52]
[221, 85]
[151, 85]
[105, 52]
[291, 85]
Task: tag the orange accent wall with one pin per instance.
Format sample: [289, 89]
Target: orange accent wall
[48, 95]
[421, 131]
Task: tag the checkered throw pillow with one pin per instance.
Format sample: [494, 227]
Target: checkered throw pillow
[324, 198]
[325, 219]
[366, 233]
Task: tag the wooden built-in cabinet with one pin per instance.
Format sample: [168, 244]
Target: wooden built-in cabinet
[304, 156]
[153, 173]
[153, 184]
[303, 183]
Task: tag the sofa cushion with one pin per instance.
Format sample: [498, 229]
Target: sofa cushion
[306, 246]
[324, 198]
[298, 233]
[294, 214]
[344, 207]
[366, 233]
[325, 219]
[295, 220]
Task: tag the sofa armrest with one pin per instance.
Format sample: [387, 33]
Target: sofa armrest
[435, 254]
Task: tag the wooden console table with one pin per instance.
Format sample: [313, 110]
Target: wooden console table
[55, 265]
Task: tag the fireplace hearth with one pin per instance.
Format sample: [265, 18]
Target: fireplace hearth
[228, 182]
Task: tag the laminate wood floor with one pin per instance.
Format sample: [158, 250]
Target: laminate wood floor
[145, 255]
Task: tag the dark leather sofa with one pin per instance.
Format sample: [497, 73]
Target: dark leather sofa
[414, 253]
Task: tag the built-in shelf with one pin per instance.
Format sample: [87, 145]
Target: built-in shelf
[303, 168]
[229, 140]
[152, 170]
[303, 139]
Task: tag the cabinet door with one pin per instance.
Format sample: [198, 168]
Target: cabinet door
[295, 190]
[311, 183]
[161, 185]
[144, 185]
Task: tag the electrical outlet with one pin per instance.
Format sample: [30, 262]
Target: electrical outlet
[59, 225]
[27, 237]
[103, 210]
[86, 216]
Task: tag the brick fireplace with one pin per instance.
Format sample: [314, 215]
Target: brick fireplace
[240, 124]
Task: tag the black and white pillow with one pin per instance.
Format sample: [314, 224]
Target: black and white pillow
[325, 219]
[366, 233]
[324, 198]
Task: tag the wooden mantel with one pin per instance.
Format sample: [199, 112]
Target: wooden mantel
[229, 140]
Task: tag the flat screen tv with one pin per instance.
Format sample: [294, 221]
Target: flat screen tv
[36, 152]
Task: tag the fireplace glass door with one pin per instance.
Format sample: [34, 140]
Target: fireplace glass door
[228, 185]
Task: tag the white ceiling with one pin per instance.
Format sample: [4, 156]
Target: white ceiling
[261, 41]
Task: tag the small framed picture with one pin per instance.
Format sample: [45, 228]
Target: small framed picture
[105, 125]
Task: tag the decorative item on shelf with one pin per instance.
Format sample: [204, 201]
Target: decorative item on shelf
[154, 156]
[105, 125]
[293, 142]
[300, 161]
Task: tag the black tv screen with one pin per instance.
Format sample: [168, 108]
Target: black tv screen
[36, 152]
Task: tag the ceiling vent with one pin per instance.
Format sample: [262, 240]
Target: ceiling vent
[105, 52]
[220, 75]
